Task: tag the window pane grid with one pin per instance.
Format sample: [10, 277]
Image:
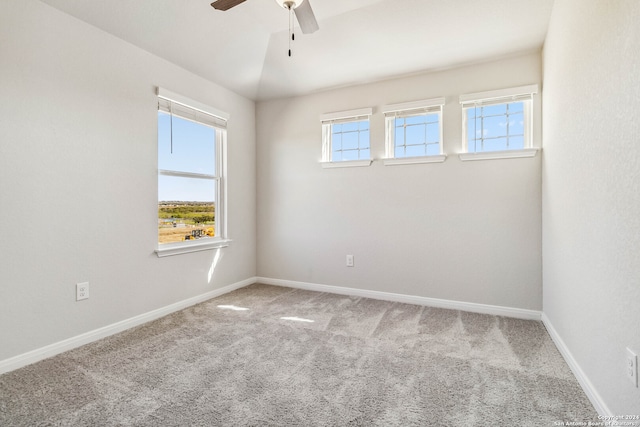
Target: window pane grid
[417, 135]
[350, 141]
[496, 127]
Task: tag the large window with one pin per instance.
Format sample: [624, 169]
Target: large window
[413, 132]
[191, 175]
[498, 120]
[345, 137]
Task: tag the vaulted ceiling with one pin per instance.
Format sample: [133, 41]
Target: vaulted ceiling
[245, 48]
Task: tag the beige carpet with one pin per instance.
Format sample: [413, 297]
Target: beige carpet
[267, 355]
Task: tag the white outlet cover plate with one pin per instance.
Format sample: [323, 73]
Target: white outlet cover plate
[82, 291]
[632, 367]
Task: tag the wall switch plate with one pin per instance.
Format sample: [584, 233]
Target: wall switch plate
[349, 260]
[82, 291]
[632, 367]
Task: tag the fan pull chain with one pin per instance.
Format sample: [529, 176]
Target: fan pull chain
[291, 35]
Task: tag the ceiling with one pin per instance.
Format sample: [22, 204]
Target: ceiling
[245, 48]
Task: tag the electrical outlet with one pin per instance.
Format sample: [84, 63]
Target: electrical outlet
[82, 291]
[349, 260]
[632, 367]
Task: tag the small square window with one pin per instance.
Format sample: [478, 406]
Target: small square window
[345, 136]
[498, 120]
[413, 132]
[496, 127]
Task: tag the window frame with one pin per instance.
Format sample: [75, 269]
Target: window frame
[524, 94]
[408, 109]
[340, 117]
[205, 115]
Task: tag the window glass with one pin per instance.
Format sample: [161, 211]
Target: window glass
[411, 134]
[495, 127]
[190, 149]
[350, 141]
[187, 182]
[185, 206]
[498, 120]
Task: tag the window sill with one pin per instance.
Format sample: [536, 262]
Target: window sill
[493, 155]
[414, 160]
[179, 248]
[347, 164]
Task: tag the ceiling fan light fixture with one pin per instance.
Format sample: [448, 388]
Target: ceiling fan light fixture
[289, 4]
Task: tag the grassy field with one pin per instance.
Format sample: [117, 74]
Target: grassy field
[178, 219]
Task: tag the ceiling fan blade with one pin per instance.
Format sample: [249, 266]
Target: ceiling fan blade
[306, 18]
[226, 4]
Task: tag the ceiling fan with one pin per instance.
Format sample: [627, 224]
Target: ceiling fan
[302, 9]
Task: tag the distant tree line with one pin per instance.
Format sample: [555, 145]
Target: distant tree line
[203, 218]
[198, 212]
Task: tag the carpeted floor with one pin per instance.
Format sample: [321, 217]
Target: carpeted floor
[267, 355]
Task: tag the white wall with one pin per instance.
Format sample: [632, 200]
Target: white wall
[78, 189]
[78, 183]
[591, 189]
[459, 231]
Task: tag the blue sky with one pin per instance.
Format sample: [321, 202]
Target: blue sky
[490, 134]
[192, 150]
[350, 141]
[417, 135]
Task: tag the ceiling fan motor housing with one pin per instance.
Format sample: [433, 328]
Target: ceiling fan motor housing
[289, 4]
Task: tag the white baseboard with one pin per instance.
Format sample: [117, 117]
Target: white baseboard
[33, 356]
[496, 310]
[582, 378]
